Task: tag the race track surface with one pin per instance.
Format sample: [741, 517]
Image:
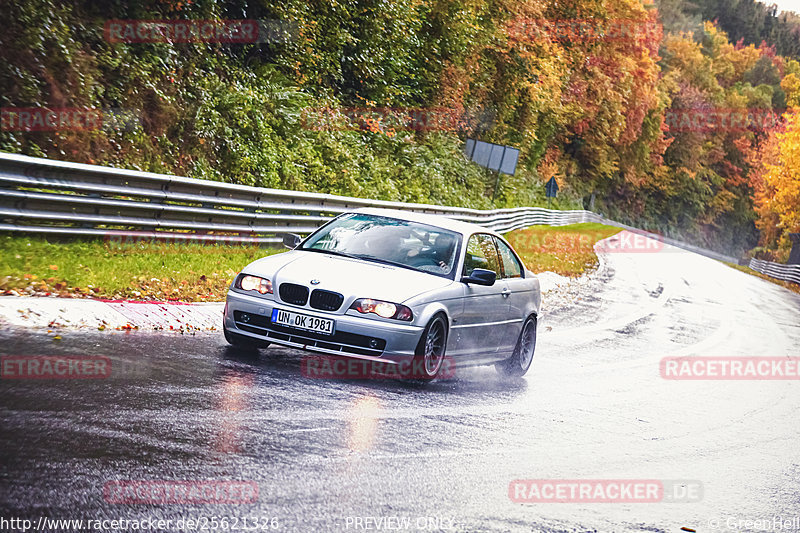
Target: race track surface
[324, 452]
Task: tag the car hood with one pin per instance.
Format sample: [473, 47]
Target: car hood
[354, 278]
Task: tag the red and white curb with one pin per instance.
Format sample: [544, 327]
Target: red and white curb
[46, 312]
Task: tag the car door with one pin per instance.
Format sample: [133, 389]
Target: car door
[518, 294]
[479, 330]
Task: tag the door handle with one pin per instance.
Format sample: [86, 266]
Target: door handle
[505, 292]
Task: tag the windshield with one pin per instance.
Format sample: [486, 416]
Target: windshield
[389, 240]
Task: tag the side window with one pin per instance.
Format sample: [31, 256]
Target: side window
[511, 265]
[481, 253]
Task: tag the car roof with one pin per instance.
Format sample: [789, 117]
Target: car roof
[465, 228]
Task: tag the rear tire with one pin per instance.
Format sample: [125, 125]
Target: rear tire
[519, 363]
[430, 351]
[242, 342]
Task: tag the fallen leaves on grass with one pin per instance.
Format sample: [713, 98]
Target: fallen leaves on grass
[197, 289]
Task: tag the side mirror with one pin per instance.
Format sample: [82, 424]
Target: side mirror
[291, 241]
[481, 276]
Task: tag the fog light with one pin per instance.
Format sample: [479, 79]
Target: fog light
[373, 343]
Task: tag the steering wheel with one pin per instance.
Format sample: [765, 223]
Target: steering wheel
[423, 236]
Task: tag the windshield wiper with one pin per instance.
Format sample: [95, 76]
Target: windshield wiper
[373, 259]
[331, 252]
[369, 258]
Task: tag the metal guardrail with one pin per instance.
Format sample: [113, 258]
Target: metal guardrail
[53, 197]
[56, 197]
[777, 270]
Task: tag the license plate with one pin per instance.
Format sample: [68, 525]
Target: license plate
[304, 322]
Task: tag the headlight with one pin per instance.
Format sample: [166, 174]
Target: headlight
[382, 309]
[254, 283]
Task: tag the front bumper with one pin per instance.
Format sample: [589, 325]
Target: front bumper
[354, 336]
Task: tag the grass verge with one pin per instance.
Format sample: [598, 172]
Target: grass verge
[36, 266]
[794, 287]
[565, 250]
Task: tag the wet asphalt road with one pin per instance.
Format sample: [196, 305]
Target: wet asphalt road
[324, 452]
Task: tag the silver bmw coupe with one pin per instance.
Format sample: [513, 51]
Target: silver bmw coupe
[393, 287]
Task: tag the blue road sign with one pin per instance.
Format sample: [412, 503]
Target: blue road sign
[551, 188]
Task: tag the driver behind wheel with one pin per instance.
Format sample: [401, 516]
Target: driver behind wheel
[443, 249]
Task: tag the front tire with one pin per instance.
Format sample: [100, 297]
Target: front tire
[431, 348]
[519, 363]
